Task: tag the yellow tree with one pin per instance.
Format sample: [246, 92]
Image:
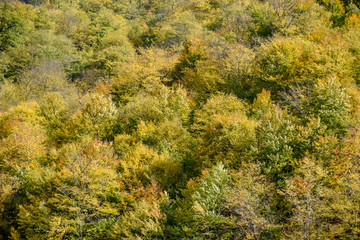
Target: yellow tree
[307, 192]
[248, 201]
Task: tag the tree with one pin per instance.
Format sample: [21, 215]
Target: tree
[346, 186]
[151, 66]
[307, 193]
[176, 30]
[44, 78]
[78, 196]
[328, 101]
[98, 118]
[199, 213]
[12, 26]
[274, 144]
[248, 201]
[157, 102]
[21, 144]
[146, 220]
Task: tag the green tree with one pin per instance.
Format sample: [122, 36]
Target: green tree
[275, 138]
[199, 214]
[13, 26]
[327, 100]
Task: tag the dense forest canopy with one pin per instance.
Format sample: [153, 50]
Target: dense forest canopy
[179, 119]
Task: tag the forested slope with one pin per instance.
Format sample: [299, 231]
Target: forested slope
[179, 119]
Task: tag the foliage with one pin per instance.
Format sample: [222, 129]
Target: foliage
[200, 212]
[179, 119]
[248, 202]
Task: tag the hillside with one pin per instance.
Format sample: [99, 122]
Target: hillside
[179, 119]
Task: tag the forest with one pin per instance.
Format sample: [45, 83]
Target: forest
[179, 119]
